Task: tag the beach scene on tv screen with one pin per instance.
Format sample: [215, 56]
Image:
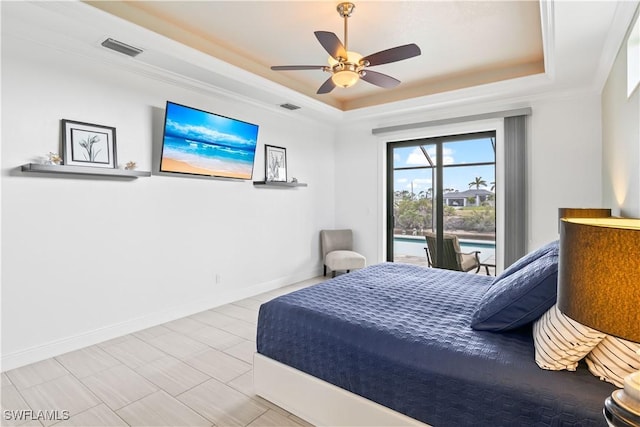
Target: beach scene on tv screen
[201, 143]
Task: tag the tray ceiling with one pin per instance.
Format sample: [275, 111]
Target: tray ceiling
[463, 43]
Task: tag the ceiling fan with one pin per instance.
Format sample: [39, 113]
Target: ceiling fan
[346, 67]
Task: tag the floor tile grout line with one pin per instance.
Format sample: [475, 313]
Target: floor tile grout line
[147, 395]
[168, 394]
[96, 396]
[267, 410]
[199, 370]
[213, 423]
[253, 398]
[24, 400]
[80, 349]
[123, 362]
[25, 388]
[56, 379]
[179, 333]
[93, 407]
[209, 377]
[221, 330]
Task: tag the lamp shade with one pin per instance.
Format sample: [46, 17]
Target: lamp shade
[582, 213]
[599, 274]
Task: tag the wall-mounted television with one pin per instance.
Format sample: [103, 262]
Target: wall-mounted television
[196, 142]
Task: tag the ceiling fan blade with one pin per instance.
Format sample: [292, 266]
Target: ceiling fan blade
[394, 54]
[332, 44]
[326, 87]
[380, 79]
[297, 67]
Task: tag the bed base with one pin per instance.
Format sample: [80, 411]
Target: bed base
[317, 401]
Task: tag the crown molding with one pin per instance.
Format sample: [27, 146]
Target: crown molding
[624, 14]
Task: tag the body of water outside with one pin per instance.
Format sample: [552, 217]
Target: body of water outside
[414, 246]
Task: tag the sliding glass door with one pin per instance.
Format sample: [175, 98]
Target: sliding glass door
[441, 185]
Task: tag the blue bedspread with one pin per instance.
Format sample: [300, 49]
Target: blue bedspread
[399, 335]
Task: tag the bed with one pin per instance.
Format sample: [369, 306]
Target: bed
[392, 345]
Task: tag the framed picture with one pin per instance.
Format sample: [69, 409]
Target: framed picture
[275, 163]
[86, 144]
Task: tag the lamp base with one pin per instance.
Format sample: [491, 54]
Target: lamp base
[622, 408]
[618, 416]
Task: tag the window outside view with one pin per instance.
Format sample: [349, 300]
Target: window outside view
[468, 194]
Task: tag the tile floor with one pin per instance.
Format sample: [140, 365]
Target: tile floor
[195, 371]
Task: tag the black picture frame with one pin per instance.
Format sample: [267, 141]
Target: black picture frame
[88, 144]
[275, 163]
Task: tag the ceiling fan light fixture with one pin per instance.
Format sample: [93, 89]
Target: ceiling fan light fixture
[346, 72]
[345, 78]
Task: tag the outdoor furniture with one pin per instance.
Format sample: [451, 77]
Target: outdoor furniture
[489, 262]
[337, 252]
[453, 258]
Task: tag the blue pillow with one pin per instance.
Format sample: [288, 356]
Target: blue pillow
[520, 296]
[529, 258]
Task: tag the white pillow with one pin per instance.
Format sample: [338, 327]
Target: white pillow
[560, 342]
[613, 359]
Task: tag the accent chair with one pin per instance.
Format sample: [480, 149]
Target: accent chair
[337, 252]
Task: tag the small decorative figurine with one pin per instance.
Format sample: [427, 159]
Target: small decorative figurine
[130, 166]
[53, 159]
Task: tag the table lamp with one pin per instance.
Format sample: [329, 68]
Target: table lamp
[599, 286]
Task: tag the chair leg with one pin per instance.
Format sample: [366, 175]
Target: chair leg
[348, 271]
[325, 271]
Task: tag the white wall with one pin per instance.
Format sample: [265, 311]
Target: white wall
[563, 160]
[621, 141]
[88, 259]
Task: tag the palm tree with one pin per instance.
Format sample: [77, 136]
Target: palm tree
[493, 185]
[478, 182]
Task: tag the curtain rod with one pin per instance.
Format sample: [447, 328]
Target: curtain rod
[493, 115]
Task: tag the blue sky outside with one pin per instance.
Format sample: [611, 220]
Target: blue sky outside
[454, 153]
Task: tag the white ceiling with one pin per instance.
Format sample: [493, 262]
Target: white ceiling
[463, 43]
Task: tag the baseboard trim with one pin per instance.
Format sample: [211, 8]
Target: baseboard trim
[76, 342]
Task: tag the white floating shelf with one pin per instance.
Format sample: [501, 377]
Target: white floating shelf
[84, 170]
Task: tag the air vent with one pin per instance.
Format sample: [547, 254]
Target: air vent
[121, 47]
[290, 106]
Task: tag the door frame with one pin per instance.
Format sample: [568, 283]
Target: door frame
[438, 141]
